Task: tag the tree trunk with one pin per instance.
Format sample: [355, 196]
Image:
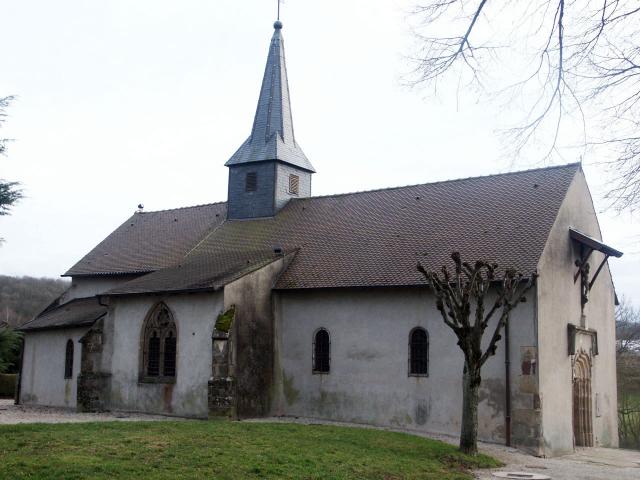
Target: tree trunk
[469, 433]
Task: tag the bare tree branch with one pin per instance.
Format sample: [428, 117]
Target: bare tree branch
[579, 56]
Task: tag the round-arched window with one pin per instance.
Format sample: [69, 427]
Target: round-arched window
[321, 351]
[418, 352]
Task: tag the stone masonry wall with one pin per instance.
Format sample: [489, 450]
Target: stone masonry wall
[93, 385]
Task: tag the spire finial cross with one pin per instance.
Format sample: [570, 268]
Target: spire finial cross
[278, 9]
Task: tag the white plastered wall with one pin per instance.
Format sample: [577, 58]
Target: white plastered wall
[195, 316]
[43, 363]
[559, 305]
[369, 381]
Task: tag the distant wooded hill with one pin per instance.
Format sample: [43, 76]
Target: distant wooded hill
[21, 298]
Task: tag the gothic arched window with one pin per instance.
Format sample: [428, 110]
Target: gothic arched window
[321, 351]
[68, 360]
[418, 352]
[159, 342]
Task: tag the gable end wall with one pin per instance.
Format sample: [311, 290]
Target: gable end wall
[559, 305]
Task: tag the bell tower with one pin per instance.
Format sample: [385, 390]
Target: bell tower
[269, 168]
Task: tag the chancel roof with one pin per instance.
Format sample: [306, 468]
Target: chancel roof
[76, 313]
[365, 239]
[149, 241]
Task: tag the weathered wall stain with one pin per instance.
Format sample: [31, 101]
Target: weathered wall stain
[167, 397]
[67, 391]
[362, 354]
[290, 392]
[422, 412]
[492, 392]
[528, 365]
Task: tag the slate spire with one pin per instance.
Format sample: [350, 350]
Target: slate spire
[272, 136]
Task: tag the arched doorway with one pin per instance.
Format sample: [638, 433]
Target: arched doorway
[582, 417]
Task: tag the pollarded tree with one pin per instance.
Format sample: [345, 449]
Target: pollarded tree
[464, 298]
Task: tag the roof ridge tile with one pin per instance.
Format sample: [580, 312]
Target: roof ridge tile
[438, 182]
[200, 205]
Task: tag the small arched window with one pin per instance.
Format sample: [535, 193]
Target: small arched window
[68, 360]
[321, 351]
[419, 352]
[159, 341]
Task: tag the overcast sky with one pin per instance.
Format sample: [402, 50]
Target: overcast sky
[122, 102]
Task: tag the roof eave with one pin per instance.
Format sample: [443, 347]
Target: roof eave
[593, 243]
[163, 292]
[60, 327]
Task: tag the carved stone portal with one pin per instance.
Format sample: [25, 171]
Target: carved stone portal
[582, 404]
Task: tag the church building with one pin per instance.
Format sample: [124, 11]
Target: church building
[279, 303]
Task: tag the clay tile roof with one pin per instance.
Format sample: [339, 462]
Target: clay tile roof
[376, 238]
[198, 274]
[150, 241]
[76, 313]
[364, 239]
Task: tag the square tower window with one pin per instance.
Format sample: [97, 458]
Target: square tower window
[251, 182]
[294, 184]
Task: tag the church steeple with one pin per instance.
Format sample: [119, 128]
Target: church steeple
[269, 168]
[272, 136]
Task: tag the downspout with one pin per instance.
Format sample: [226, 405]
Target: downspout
[507, 385]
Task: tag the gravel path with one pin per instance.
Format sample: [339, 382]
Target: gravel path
[11, 414]
[584, 464]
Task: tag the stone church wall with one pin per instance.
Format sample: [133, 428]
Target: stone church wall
[252, 338]
[559, 305]
[195, 316]
[368, 380]
[43, 364]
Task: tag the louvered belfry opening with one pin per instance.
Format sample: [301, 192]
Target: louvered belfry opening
[251, 182]
[159, 346]
[294, 184]
[582, 404]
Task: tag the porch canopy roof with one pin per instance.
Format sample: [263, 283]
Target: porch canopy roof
[594, 244]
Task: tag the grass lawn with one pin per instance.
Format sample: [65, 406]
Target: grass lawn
[224, 450]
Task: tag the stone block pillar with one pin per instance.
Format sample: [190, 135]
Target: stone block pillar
[93, 385]
[222, 385]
